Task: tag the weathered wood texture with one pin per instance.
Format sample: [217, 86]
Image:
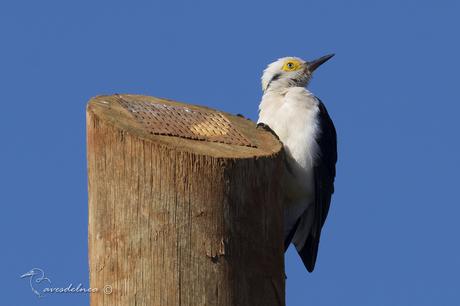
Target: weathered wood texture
[175, 221]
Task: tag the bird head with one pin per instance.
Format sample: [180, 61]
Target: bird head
[290, 72]
[32, 272]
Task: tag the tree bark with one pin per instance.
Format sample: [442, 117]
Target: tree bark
[192, 217]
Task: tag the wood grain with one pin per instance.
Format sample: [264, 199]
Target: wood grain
[175, 221]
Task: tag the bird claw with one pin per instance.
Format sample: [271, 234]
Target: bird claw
[242, 116]
[267, 128]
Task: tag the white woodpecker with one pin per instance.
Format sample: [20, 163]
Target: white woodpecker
[301, 122]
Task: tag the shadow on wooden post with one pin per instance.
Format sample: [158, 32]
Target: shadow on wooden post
[184, 206]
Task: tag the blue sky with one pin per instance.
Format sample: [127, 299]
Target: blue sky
[392, 234]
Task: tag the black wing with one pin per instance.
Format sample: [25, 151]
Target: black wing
[324, 172]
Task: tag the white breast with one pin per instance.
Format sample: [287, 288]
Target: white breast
[292, 115]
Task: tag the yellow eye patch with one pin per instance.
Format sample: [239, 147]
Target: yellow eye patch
[292, 65]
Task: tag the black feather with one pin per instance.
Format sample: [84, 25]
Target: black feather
[274, 78]
[324, 175]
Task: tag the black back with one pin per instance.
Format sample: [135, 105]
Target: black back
[324, 173]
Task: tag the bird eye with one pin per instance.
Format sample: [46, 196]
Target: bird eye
[291, 65]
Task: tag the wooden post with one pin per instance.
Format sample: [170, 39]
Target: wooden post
[184, 206]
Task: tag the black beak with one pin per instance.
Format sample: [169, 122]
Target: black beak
[318, 62]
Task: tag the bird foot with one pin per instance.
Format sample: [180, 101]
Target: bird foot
[267, 128]
[242, 116]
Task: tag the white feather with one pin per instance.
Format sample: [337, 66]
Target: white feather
[291, 112]
[292, 115]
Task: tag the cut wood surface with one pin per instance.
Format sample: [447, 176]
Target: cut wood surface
[182, 221]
